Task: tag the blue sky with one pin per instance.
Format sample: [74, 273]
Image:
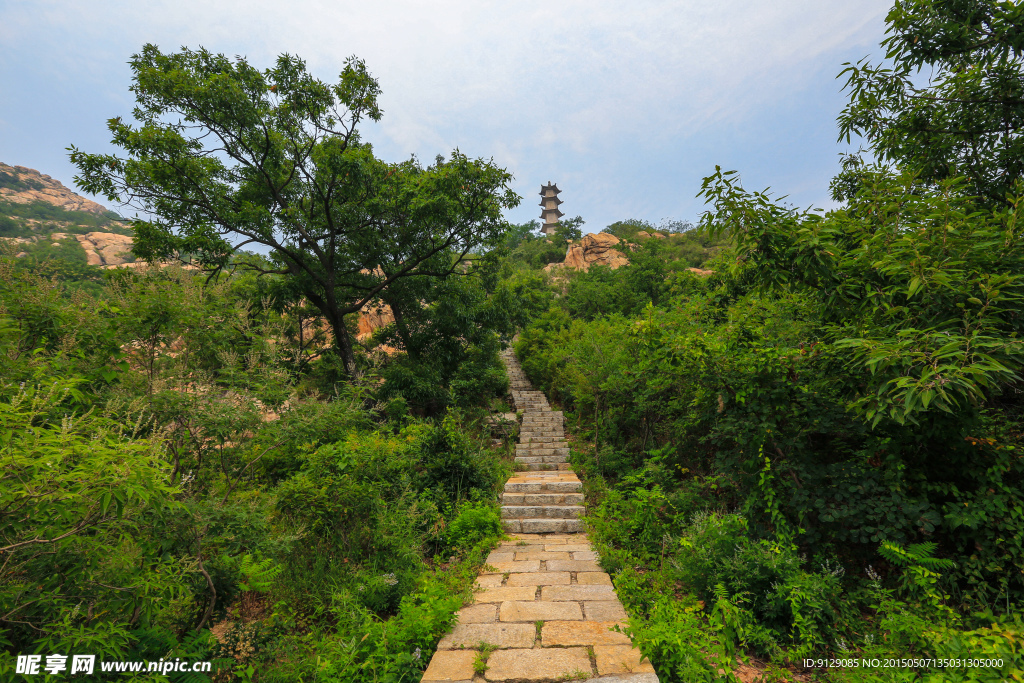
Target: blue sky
[626, 105]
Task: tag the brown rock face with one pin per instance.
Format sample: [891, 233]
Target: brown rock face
[372, 318]
[106, 248]
[43, 188]
[593, 250]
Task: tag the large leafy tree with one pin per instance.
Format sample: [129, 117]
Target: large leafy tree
[224, 156]
[949, 101]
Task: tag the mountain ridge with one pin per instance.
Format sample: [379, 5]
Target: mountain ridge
[23, 185]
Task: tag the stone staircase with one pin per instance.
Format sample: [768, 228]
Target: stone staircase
[543, 606]
[547, 497]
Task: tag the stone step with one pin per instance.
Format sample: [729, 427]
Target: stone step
[542, 511]
[524, 440]
[542, 458]
[544, 487]
[547, 467]
[542, 526]
[532, 459]
[542, 499]
[541, 452]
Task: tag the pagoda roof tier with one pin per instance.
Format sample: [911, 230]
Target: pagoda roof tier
[546, 212]
[549, 186]
[548, 200]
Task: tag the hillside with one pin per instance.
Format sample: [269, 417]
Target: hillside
[48, 224]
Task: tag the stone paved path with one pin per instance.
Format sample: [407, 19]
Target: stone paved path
[543, 604]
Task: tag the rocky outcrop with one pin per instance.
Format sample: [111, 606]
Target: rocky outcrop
[373, 317]
[592, 250]
[106, 248]
[20, 185]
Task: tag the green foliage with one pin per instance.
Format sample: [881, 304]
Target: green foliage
[681, 640]
[369, 649]
[571, 229]
[921, 569]
[80, 495]
[259, 575]
[450, 332]
[521, 232]
[477, 522]
[537, 253]
[790, 606]
[455, 466]
[12, 228]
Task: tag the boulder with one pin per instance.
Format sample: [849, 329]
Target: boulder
[699, 272]
[594, 250]
[106, 248]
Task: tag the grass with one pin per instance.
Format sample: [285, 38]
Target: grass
[484, 651]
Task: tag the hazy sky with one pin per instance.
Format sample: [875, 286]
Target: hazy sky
[626, 105]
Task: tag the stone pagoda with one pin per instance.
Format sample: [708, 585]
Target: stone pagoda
[549, 202]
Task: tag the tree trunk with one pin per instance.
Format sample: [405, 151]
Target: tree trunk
[343, 343]
[403, 330]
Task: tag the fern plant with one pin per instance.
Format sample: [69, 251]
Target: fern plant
[259, 574]
[921, 573]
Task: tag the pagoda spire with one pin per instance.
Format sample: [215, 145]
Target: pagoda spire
[549, 202]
